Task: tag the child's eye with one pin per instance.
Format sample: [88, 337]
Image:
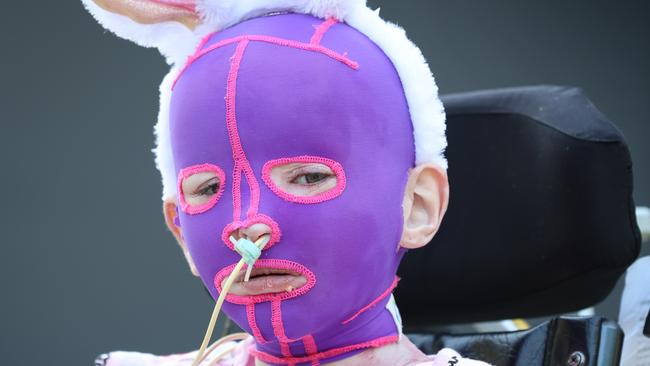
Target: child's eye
[310, 178]
[209, 188]
[304, 179]
[200, 186]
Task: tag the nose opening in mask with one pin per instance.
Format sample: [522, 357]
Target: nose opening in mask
[249, 241]
[252, 232]
[252, 229]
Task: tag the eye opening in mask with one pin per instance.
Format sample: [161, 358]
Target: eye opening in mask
[304, 179]
[200, 187]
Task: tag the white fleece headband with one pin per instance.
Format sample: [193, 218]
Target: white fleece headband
[176, 41]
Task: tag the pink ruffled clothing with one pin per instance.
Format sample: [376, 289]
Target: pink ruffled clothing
[240, 357]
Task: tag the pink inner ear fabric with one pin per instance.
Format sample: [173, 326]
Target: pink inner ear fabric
[194, 169]
[321, 197]
[189, 5]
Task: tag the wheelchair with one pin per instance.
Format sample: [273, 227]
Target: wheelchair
[541, 222]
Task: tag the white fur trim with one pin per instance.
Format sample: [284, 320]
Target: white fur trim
[223, 13]
[163, 149]
[425, 107]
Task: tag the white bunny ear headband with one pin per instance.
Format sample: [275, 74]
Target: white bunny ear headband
[176, 27]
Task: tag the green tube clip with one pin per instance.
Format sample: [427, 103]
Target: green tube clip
[247, 249]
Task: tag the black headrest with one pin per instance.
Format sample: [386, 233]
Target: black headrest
[541, 218]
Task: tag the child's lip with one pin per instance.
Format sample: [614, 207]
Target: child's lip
[274, 279]
[266, 280]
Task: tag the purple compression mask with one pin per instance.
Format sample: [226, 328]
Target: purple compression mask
[286, 89]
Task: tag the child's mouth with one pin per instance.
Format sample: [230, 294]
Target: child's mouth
[266, 280]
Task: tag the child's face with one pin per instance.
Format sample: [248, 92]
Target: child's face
[270, 139]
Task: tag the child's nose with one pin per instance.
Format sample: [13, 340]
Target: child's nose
[252, 229]
[252, 232]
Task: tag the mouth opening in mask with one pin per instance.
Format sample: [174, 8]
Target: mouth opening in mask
[270, 279]
[267, 281]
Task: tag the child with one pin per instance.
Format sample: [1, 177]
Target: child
[307, 138]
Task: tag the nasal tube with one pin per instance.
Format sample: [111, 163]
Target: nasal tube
[250, 253]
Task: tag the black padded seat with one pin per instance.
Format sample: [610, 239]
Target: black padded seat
[541, 218]
[561, 341]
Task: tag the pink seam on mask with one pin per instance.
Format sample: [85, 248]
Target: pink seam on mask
[280, 334]
[268, 39]
[189, 5]
[321, 30]
[270, 263]
[324, 196]
[239, 156]
[252, 322]
[198, 48]
[231, 124]
[310, 347]
[278, 329]
[236, 192]
[200, 168]
[276, 234]
[286, 351]
[276, 322]
[374, 302]
[382, 341]
[202, 43]
[255, 191]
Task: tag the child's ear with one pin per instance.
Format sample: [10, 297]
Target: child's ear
[171, 219]
[425, 202]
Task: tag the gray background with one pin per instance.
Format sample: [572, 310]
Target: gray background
[87, 265]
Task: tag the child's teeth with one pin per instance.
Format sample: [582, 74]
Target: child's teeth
[289, 288]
